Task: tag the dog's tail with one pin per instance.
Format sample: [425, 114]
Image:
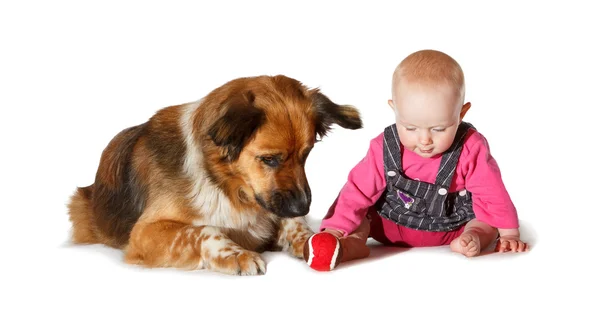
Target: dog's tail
[106, 211]
[82, 217]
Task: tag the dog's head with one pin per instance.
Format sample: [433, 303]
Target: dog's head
[265, 131]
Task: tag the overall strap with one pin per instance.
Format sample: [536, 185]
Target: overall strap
[392, 157]
[450, 157]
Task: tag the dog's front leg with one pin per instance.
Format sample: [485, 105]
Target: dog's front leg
[173, 244]
[293, 232]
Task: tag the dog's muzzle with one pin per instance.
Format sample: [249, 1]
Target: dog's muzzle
[287, 203]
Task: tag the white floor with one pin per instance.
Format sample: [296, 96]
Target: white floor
[49, 271]
[73, 74]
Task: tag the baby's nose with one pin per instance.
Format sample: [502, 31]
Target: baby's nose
[425, 139]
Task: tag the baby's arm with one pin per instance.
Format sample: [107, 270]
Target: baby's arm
[337, 233]
[366, 182]
[354, 245]
[345, 228]
[491, 201]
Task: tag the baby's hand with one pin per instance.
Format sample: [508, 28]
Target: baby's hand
[336, 233]
[511, 243]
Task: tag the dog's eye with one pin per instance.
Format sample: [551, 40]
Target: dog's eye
[270, 161]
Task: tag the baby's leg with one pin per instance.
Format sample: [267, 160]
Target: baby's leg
[476, 236]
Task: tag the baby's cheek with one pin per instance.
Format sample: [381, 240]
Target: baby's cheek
[445, 143]
[406, 140]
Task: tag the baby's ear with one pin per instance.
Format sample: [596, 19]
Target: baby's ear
[391, 104]
[328, 113]
[464, 110]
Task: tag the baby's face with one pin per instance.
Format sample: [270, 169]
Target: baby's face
[427, 117]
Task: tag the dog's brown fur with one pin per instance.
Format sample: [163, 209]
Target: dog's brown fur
[212, 183]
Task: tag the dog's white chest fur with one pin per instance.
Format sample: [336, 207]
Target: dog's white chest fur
[214, 208]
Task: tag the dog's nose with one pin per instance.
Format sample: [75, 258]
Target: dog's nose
[293, 203]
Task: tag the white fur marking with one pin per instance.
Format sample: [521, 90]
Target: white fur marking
[177, 236]
[205, 196]
[213, 247]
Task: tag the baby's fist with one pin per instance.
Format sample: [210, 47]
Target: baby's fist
[511, 244]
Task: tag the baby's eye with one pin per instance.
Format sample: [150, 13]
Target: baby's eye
[439, 130]
[410, 129]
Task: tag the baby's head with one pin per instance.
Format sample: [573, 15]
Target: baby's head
[428, 92]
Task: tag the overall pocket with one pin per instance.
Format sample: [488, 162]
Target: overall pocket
[402, 201]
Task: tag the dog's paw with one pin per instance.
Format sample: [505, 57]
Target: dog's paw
[239, 262]
[297, 246]
[293, 235]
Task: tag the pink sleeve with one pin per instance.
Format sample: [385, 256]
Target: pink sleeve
[366, 182]
[491, 201]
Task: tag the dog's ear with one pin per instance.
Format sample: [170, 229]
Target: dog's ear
[329, 113]
[237, 125]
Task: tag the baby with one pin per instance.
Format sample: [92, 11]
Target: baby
[429, 179]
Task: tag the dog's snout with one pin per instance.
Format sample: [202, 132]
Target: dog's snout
[299, 203]
[307, 194]
[291, 203]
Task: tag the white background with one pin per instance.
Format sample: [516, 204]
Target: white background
[72, 75]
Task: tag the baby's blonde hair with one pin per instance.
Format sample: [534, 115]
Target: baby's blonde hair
[430, 67]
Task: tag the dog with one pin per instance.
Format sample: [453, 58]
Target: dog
[211, 184]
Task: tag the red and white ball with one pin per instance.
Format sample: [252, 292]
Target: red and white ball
[322, 251]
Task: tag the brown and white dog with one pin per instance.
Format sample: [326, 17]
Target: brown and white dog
[211, 184]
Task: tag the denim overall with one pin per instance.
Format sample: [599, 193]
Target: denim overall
[420, 205]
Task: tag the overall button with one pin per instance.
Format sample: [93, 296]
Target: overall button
[391, 173]
[463, 192]
[442, 191]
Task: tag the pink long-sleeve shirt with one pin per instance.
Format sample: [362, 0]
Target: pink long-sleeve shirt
[476, 171]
